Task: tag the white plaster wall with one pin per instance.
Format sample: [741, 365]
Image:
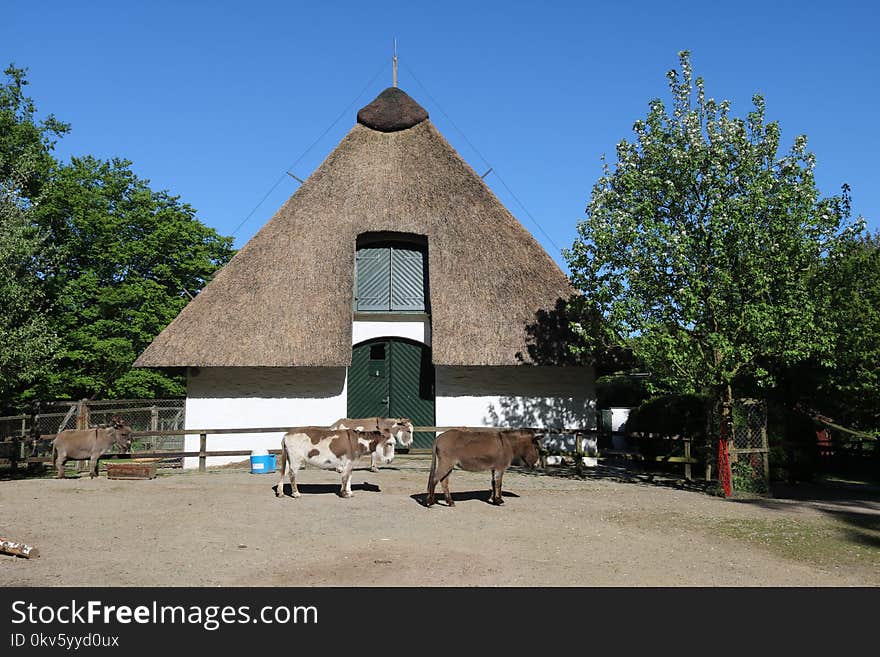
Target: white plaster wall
[241, 397]
[226, 398]
[516, 396]
[382, 326]
[619, 416]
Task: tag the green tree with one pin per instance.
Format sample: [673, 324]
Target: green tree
[130, 259]
[699, 247]
[26, 145]
[93, 265]
[849, 388]
[27, 341]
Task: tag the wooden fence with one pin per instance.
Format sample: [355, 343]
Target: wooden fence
[12, 452]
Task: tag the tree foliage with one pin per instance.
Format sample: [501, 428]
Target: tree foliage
[27, 343]
[700, 246]
[26, 159]
[130, 258]
[849, 385]
[94, 265]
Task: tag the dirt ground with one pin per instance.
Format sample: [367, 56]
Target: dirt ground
[226, 528]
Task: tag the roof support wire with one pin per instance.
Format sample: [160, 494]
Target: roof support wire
[313, 144]
[485, 161]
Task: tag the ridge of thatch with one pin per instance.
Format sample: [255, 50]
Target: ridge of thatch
[285, 299]
[392, 110]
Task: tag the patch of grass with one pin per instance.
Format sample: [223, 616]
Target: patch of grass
[828, 543]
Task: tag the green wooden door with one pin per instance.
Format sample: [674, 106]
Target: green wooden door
[368, 380]
[393, 377]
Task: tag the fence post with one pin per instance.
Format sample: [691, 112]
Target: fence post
[687, 455]
[765, 445]
[13, 456]
[203, 447]
[82, 422]
[82, 414]
[154, 425]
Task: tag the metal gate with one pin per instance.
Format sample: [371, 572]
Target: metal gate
[748, 449]
[393, 377]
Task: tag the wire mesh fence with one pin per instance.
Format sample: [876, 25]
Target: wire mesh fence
[142, 414]
[748, 447]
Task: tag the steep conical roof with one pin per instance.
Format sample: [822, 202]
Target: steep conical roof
[286, 297]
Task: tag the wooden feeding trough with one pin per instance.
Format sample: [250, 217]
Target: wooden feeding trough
[134, 469]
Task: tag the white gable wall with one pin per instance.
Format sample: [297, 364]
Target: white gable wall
[242, 397]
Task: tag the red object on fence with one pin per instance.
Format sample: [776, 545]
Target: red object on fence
[823, 440]
[724, 475]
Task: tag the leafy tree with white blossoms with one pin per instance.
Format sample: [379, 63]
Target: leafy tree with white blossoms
[699, 247]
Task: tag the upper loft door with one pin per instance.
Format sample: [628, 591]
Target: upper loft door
[391, 277]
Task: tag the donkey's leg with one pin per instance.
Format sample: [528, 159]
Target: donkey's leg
[497, 487]
[345, 489]
[444, 480]
[374, 462]
[279, 490]
[93, 467]
[293, 465]
[59, 466]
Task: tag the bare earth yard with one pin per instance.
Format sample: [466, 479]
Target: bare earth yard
[226, 528]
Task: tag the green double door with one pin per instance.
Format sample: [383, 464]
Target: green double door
[393, 377]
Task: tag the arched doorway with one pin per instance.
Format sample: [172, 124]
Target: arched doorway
[393, 377]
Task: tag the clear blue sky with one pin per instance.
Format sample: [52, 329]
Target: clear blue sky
[215, 100]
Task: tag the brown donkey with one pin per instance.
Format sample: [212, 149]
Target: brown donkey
[477, 451]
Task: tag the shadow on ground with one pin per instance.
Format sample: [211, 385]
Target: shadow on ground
[465, 496]
[622, 474]
[326, 489]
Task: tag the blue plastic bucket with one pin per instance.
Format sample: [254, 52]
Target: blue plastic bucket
[263, 464]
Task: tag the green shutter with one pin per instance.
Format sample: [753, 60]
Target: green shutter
[407, 278]
[373, 279]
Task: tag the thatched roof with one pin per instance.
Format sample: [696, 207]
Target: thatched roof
[286, 297]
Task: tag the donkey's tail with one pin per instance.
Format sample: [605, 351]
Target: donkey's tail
[284, 458]
[433, 473]
[432, 476]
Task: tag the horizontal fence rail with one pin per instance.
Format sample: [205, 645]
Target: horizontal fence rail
[203, 453]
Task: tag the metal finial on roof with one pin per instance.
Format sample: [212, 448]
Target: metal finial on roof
[394, 65]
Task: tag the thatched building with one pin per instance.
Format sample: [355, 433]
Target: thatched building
[393, 282]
